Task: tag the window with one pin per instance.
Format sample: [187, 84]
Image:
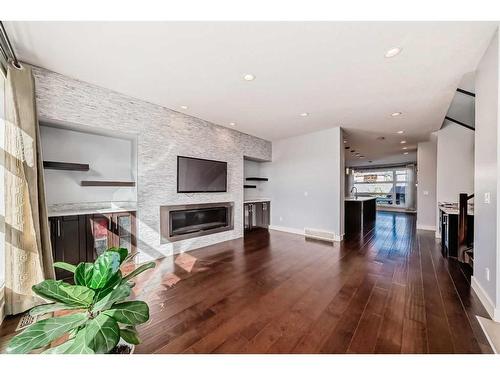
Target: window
[390, 186]
[2, 196]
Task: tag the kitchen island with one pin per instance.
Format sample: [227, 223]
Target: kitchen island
[360, 214]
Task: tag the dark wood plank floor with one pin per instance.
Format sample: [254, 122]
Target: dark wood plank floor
[388, 291]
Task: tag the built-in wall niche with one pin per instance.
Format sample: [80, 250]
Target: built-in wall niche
[255, 178]
[82, 166]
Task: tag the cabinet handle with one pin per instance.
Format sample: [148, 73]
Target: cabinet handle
[58, 227]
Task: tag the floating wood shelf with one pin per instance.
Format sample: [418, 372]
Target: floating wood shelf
[63, 166]
[250, 186]
[108, 183]
[257, 179]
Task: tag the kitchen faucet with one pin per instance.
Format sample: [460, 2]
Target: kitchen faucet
[355, 194]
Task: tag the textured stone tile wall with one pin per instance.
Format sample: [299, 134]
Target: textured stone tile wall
[162, 134]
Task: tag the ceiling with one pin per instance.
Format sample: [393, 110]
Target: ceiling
[335, 71]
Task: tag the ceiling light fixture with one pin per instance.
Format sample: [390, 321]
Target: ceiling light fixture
[392, 52]
[345, 140]
[184, 107]
[248, 77]
[406, 153]
[400, 131]
[402, 142]
[396, 114]
[405, 148]
[232, 123]
[304, 114]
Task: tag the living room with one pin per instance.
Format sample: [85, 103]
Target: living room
[249, 187]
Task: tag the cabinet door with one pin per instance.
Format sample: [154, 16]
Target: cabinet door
[68, 242]
[124, 230]
[100, 235]
[265, 214]
[246, 216]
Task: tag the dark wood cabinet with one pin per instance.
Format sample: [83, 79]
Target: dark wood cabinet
[256, 215]
[68, 234]
[82, 238]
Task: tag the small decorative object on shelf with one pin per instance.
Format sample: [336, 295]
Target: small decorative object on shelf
[104, 322]
[108, 183]
[63, 166]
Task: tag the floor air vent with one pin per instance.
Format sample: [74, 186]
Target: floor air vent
[25, 321]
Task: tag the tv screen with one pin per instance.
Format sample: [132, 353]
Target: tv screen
[201, 175]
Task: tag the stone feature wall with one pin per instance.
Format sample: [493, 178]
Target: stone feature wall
[161, 134]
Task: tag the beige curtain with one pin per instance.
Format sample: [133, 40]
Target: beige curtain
[27, 238]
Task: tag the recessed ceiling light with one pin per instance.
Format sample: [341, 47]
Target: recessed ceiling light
[405, 148]
[406, 153]
[393, 52]
[232, 123]
[402, 142]
[400, 131]
[361, 157]
[304, 114]
[248, 77]
[345, 140]
[396, 114]
[184, 107]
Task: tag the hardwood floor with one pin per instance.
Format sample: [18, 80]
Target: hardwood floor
[388, 291]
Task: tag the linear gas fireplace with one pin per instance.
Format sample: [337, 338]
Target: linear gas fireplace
[181, 222]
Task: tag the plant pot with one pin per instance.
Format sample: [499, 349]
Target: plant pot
[123, 347]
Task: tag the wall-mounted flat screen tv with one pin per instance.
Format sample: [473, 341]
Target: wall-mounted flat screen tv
[201, 175]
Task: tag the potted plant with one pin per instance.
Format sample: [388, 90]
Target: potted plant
[103, 317]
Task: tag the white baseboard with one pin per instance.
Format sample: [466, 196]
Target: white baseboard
[333, 238]
[485, 300]
[286, 229]
[426, 227]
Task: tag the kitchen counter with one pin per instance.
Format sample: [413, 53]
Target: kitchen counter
[360, 214]
[256, 200]
[71, 209]
[454, 210]
[358, 199]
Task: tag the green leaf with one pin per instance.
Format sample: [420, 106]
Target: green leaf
[129, 334]
[131, 312]
[59, 291]
[117, 295]
[101, 334]
[83, 274]
[44, 332]
[123, 252]
[51, 307]
[60, 349]
[106, 265]
[108, 288]
[130, 257]
[79, 345]
[65, 266]
[139, 270]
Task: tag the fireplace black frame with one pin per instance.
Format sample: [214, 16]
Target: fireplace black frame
[166, 221]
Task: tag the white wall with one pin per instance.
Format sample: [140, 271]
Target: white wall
[486, 231]
[307, 182]
[455, 163]
[426, 180]
[109, 158]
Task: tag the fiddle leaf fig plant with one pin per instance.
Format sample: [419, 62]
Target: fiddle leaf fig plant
[104, 315]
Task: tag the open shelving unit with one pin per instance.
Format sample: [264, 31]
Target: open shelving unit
[257, 179]
[64, 166]
[108, 183]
